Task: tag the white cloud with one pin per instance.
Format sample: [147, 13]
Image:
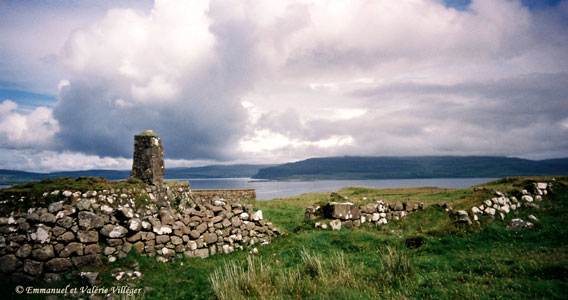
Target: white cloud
[62, 83]
[51, 161]
[7, 106]
[267, 142]
[33, 130]
[32, 32]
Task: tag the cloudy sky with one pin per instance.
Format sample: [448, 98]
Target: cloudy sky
[276, 81]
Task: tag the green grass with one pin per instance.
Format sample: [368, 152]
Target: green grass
[32, 192]
[425, 256]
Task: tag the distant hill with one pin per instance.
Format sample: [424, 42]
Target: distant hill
[11, 176]
[356, 167]
[8, 177]
[18, 177]
[347, 167]
[215, 171]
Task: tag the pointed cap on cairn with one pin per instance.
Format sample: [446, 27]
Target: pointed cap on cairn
[147, 164]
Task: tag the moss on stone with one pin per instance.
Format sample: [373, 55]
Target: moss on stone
[147, 133]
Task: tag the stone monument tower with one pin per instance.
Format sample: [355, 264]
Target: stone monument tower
[148, 164]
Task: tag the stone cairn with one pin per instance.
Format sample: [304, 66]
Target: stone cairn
[501, 205]
[147, 164]
[353, 215]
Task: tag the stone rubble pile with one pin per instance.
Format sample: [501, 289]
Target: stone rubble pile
[501, 205]
[48, 241]
[352, 215]
[518, 224]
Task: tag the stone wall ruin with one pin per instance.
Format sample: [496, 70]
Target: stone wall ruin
[89, 228]
[162, 220]
[350, 215]
[233, 195]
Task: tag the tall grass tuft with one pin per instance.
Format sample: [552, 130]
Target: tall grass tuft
[312, 265]
[397, 268]
[313, 276]
[241, 281]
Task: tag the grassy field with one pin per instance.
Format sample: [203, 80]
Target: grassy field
[424, 256]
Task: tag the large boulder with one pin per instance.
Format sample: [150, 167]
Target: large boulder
[341, 210]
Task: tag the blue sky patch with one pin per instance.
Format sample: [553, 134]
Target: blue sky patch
[531, 4]
[27, 100]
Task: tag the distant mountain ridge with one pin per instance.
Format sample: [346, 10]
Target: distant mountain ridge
[345, 167]
[213, 171]
[361, 167]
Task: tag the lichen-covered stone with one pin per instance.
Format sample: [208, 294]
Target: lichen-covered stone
[341, 210]
[66, 237]
[89, 220]
[58, 265]
[87, 260]
[113, 231]
[24, 251]
[47, 218]
[41, 235]
[139, 247]
[65, 222]
[83, 204]
[33, 267]
[88, 236]
[201, 227]
[176, 240]
[163, 229]
[135, 224]
[335, 224]
[72, 248]
[44, 253]
[210, 238]
[92, 249]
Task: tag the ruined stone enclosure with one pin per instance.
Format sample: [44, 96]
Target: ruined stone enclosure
[90, 221]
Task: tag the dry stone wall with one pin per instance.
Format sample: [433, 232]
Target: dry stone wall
[96, 226]
[350, 215]
[233, 195]
[501, 204]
